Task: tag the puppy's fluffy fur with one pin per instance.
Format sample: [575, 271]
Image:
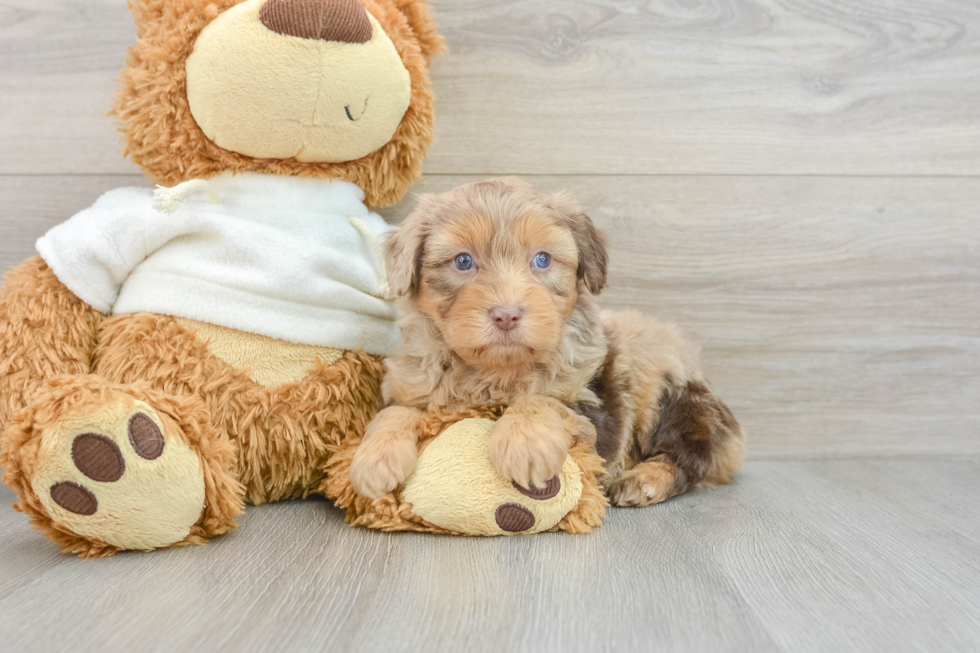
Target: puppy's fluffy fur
[565, 370]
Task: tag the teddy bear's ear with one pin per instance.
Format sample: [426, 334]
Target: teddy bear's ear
[168, 15]
[146, 13]
[420, 20]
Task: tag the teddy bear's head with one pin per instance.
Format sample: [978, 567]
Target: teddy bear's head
[328, 88]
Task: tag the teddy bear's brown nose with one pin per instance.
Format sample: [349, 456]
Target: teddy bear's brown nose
[345, 21]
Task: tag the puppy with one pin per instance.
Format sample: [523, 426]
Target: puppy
[496, 284]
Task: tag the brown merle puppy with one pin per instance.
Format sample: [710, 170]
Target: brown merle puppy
[496, 284]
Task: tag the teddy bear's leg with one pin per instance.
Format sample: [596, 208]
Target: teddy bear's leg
[103, 467]
[45, 331]
[286, 411]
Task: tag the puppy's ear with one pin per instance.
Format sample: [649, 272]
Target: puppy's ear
[404, 247]
[593, 256]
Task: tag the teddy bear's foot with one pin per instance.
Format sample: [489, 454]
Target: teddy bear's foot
[456, 487]
[102, 468]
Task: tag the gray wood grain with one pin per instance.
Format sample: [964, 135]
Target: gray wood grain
[597, 86]
[796, 556]
[850, 567]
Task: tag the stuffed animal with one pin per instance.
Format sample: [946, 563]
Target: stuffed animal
[171, 356]
[455, 488]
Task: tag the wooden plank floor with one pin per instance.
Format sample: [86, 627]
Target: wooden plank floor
[796, 556]
[795, 182]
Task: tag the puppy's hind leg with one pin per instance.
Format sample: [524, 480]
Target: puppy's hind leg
[696, 442]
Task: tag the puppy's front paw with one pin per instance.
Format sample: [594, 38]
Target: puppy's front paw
[382, 463]
[529, 449]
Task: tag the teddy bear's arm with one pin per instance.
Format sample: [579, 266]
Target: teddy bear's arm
[45, 331]
[94, 252]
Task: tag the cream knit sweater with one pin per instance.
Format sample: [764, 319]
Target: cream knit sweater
[278, 256]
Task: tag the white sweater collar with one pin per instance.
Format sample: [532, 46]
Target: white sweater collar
[250, 191]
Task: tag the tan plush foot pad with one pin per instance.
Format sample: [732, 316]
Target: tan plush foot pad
[100, 459]
[110, 475]
[455, 489]
[100, 471]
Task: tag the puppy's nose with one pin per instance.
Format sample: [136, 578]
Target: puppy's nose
[506, 317]
[345, 21]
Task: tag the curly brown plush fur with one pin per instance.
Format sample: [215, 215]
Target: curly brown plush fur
[45, 331]
[257, 444]
[282, 435]
[162, 137]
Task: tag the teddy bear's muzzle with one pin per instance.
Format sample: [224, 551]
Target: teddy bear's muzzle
[344, 21]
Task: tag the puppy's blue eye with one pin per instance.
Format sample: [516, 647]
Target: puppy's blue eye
[542, 260]
[464, 262]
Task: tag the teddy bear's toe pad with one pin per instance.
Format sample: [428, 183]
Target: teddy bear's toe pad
[74, 498]
[456, 487]
[514, 518]
[98, 457]
[550, 490]
[110, 474]
[146, 437]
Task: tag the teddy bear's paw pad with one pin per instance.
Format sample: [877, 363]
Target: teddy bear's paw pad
[514, 518]
[456, 487]
[98, 457]
[549, 491]
[113, 474]
[74, 498]
[146, 437]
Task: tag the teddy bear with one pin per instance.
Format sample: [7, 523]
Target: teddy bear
[170, 356]
[173, 355]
